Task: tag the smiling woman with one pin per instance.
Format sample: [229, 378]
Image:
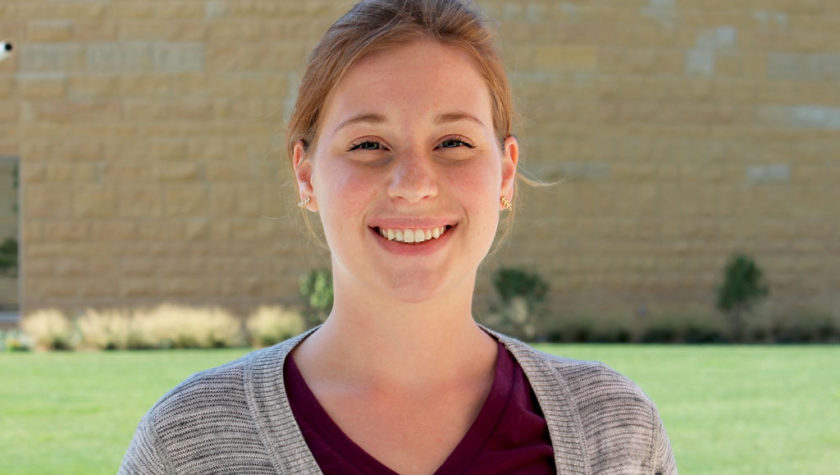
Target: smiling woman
[401, 143]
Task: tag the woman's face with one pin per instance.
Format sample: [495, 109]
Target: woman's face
[407, 173]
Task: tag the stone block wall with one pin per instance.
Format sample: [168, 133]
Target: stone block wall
[150, 138]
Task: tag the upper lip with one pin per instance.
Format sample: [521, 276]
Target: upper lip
[410, 223]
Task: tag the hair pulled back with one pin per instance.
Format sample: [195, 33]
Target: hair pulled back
[373, 25]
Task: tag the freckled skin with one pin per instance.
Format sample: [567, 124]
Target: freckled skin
[409, 173]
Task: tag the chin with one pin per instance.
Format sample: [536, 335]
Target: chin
[418, 289]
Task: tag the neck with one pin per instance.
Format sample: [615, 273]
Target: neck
[395, 343]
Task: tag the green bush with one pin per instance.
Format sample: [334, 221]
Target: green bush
[682, 328]
[317, 291]
[511, 282]
[598, 327]
[805, 326]
[9, 257]
[611, 327]
[522, 296]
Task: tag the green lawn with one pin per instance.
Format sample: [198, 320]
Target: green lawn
[728, 409]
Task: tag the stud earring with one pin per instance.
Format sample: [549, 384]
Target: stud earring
[506, 204]
[305, 201]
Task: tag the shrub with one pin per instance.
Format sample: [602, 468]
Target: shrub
[742, 286]
[106, 330]
[804, 326]
[9, 257]
[566, 328]
[625, 327]
[682, 328]
[514, 318]
[522, 295]
[48, 329]
[511, 282]
[14, 340]
[175, 326]
[317, 291]
[270, 325]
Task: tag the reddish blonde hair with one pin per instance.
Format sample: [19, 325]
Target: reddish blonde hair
[373, 25]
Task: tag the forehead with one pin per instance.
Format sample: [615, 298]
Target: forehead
[424, 76]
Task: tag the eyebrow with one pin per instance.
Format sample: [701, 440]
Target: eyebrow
[370, 118]
[373, 118]
[456, 117]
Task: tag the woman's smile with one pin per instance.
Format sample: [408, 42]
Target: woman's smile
[413, 242]
[415, 236]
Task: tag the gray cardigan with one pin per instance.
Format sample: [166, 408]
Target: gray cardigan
[236, 419]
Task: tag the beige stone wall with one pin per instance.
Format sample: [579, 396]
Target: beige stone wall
[150, 140]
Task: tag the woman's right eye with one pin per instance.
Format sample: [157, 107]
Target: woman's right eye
[366, 145]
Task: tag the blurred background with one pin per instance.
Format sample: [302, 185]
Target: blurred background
[146, 202]
[142, 159]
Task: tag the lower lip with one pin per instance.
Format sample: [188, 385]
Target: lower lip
[419, 249]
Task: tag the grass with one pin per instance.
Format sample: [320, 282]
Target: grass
[738, 409]
[728, 409]
[76, 412]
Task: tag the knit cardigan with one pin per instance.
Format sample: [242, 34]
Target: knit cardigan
[236, 419]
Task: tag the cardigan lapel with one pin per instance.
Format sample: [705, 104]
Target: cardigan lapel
[556, 402]
[272, 414]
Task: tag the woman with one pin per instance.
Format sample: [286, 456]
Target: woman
[401, 142]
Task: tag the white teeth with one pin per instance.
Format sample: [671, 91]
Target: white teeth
[412, 235]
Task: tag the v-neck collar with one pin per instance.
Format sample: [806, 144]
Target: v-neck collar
[269, 406]
[462, 455]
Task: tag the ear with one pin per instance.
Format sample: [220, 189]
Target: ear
[510, 158]
[303, 175]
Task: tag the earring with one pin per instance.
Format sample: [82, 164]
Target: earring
[305, 201]
[506, 204]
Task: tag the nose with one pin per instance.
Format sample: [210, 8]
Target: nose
[412, 178]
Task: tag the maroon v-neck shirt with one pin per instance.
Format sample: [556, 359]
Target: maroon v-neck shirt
[509, 435]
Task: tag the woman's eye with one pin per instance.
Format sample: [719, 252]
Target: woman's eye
[455, 143]
[367, 145]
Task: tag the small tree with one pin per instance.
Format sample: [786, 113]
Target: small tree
[522, 294]
[743, 285]
[317, 291]
[9, 257]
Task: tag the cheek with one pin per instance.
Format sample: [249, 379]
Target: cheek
[478, 183]
[342, 192]
[478, 190]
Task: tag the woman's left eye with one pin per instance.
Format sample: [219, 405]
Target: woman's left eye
[366, 145]
[455, 143]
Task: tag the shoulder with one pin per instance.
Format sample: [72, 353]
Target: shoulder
[591, 384]
[222, 384]
[594, 384]
[225, 389]
[205, 421]
[615, 421]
